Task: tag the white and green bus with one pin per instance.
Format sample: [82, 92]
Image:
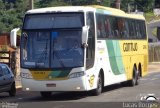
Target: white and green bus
[81, 48]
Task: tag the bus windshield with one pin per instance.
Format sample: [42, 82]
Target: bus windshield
[57, 46]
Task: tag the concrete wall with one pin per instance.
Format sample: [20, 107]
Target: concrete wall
[154, 52]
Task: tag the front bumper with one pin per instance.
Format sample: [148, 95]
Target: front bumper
[73, 84]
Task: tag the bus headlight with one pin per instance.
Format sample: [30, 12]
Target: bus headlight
[26, 75]
[76, 74]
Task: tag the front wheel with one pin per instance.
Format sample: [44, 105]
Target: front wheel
[98, 90]
[46, 94]
[12, 91]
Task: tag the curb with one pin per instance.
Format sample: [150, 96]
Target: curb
[153, 71]
[154, 63]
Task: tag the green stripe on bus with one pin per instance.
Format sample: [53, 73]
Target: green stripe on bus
[103, 11]
[115, 57]
[119, 59]
[59, 73]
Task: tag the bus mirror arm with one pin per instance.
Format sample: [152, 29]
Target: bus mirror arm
[84, 45]
[85, 36]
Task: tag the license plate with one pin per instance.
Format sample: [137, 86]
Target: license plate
[51, 85]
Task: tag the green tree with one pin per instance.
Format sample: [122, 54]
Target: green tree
[50, 3]
[146, 4]
[142, 5]
[127, 5]
[12, 11]
[83, 2]
[11, 14]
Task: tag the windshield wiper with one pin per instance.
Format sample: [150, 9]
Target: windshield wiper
[43, 55]
[57, 56]
[59, 59]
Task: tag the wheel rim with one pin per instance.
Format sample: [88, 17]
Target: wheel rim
[99, 84]
[137, 78]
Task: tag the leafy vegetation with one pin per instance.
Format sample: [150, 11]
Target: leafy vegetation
[12, 11]
[11, 14]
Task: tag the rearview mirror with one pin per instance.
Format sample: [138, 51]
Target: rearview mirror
[85, 36]
[13, 37]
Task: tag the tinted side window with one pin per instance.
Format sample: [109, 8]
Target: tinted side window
[1, 72]
[121, 28]
[136, 29]
[5, 70]
[143, 30]
[103, 26]
[132, 29]
[114, 27]
[126, 30]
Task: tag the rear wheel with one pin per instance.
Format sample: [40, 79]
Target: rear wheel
[138, 78]
[12, 91]
[46, 94]
[98, 90]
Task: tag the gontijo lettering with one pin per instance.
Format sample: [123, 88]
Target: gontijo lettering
[130, 47]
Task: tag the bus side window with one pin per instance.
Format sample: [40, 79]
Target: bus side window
[115, 28]
[112, 23]
[107, 26]
[138, 35]
[132, 33]
[134, 29]
[126, 30]
[121, 27]
[91, 41]
[101, 26]
[142, 29]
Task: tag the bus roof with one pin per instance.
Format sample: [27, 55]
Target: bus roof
[117, 12]
[62, 9]
[97, 8]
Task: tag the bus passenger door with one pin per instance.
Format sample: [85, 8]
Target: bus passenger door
[90, 51]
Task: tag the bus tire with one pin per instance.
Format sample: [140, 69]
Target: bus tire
[138, 77]
[12, 91]
[98, 90]
[46, 94]
[134, 80]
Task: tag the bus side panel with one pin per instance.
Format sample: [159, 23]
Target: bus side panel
[134, 52]
[111, 64]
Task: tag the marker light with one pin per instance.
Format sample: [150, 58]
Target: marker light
[76, 74]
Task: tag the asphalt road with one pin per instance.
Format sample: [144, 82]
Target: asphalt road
[113, 96]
